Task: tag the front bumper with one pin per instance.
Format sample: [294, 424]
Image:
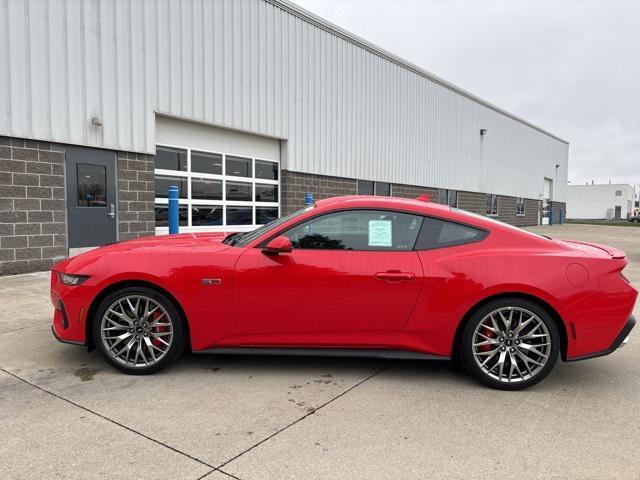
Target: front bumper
[620, 341]
[68, 323]
[62, 340]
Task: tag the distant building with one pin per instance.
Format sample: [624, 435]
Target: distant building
[606, 201]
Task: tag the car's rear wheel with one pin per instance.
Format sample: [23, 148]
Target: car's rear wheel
[510, 344]
[138, 330]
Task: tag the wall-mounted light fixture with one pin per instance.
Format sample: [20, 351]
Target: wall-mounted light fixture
[483, 131]
[95, 121]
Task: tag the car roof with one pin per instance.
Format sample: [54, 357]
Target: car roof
[419, 207]
[370, 201]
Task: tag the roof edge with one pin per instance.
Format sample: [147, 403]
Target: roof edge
[600, 185]
[320, 22]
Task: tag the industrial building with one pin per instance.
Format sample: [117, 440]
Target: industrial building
[245, 105]
[600, 201]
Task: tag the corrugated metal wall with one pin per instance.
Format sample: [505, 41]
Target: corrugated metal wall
[252, 65]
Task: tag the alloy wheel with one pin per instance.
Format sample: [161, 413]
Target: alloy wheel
[136, 331]
[511, 344]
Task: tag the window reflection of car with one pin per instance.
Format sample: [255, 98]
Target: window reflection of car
[317, 241]
[162, 216]
[241, 217]
[207, 216]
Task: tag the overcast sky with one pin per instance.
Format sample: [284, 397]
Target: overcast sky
[571, 67]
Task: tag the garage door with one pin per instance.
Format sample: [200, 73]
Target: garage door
[227, 180]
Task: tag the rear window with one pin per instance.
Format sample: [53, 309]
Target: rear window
[436, 233]
[498, 222]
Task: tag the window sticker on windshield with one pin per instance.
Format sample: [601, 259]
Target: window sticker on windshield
[380, 233]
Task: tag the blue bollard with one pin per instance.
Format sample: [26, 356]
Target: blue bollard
[550, 215]
[560, 217]
[308, 199]
[173, 209]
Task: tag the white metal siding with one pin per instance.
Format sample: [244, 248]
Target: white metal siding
[593, 201]
[170, 131]
[344, 109]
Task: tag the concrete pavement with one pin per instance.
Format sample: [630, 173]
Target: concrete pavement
[66, 414]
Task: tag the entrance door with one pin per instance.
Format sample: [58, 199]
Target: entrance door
[618, 212]
[91, 196]
[547, 196]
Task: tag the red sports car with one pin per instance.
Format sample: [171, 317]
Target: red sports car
[359, 276]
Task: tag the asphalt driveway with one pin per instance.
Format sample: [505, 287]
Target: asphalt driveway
[66, 414]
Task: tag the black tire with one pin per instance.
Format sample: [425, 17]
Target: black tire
[176, 341]
[472, 360]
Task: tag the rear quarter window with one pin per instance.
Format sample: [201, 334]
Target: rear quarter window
[437, 233]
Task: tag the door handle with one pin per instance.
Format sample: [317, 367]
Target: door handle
[395, 276]
[112, 211]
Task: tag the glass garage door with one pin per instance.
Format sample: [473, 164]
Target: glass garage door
[217, 190]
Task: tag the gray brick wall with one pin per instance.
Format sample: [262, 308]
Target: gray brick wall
[507, 211]
[136, 193]
[412, 191]
[556, 207]
[294, 185]
[472, 202]
[477, 203]
[32, 205]
[33, 209]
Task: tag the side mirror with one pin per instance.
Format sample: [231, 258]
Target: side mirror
[278, 245]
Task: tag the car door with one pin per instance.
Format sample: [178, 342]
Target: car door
[352, 279]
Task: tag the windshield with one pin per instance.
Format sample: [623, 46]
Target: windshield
[242, 239]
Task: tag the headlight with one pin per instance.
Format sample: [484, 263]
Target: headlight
[71, 280]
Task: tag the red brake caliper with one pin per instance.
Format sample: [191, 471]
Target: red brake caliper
[154, 316]
[489, 333]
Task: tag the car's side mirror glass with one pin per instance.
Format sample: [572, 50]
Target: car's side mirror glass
[278, 245]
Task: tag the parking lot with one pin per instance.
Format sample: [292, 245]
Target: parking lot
[66, 414]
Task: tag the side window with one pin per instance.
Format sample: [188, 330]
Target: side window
[436, 233]
[365, 187]
[357, 230]
[492, 205]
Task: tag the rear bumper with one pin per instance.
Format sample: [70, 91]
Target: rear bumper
[620, 341]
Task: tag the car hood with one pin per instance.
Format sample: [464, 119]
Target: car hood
[172, 241]
[161, 244]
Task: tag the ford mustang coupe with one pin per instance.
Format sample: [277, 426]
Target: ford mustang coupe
[357, 275]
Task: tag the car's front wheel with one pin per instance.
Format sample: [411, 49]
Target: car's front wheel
[510, 344]
[138, 330]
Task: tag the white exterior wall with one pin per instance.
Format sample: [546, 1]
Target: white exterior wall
[593, 201]
[344, 107]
